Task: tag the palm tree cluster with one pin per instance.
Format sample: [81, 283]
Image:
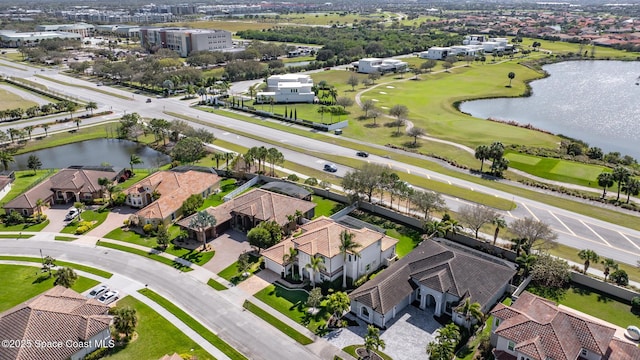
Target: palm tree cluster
[591, 257]
[625, 180]
[261, 155]
[33, 111]
[495, 153]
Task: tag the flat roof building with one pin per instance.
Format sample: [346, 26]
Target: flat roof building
[184, 41]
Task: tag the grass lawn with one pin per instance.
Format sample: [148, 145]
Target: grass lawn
[64, 238]
[90, 88]
[594, 303]
[229, 25]
[95, 217]
[20, 283]
[275, 322]
[25, 179]
[156, 336]
[24, 227]
[15, 236]
[562, 47]
[193, 324]
[12, 100]
[226, 186]
[231, 273]
[325, 207]
[351, 350]
[139, 174]
[292, 303]
[64, 138]
[102, 273]
[557, 169]
[408, 238]
[194, 256]
[216, 285]
[155, 257]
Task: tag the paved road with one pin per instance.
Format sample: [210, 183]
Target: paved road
[579, 231]
[255, 339]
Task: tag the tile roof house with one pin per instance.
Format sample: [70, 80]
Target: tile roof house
[67, 185]
[246, 211]
[321, 237]
[437, 277]
[535, 328]
[58, 316]
[161, 194]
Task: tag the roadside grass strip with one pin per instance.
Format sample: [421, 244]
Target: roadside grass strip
[146, 254]
[216, 285]
[275, 322]
[194, 325]
[91, 270]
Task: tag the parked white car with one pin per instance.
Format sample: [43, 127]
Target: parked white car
[97, 291]
[72, 214]
[108, 297]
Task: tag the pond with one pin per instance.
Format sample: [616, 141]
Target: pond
[594, 101]
[94, 152]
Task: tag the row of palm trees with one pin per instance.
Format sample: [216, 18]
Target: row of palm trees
[590, 256]
[45, 109]
[625, 180]
[262, 156]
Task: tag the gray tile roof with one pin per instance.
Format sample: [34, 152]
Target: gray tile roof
[438, 267]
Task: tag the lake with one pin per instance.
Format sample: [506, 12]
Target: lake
[594, 101]
[94, 152]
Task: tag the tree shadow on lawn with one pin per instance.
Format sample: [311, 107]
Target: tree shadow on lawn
[41, 278]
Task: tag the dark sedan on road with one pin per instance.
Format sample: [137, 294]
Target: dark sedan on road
[362, 154]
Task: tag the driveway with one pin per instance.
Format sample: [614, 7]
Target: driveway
[228, 247]
[114, 220]
[55, 215]
[406, 336]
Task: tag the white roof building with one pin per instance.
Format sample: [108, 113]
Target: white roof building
[372, 65]
[288, 88]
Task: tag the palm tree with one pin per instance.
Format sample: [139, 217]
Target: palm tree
[39, 205]
[500, 223]
[605, 180]
[200, 222]
[134, 160]
[482, 153]
[13, 133]
[77, 121]
[70, 107]
[46, 127]
[91, 105]
[6, 157]
[217, 157]
[228, 156]
[65, 277]
[315, 265]
[588, 256]
[29, 130]
[103, 182]
[511, 76]
[470, 311]
[125, 321]
[112, 189]
[631, 187]
[372, 341]
[290, 258]
[525, 263]
[347, 245]
[620, 175]
[333, 93]
[609, 264]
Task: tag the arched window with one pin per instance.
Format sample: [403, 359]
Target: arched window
[364, 312]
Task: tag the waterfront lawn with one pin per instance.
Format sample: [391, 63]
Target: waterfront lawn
[20, 283]
[595, 303]
[64, 138]
[293, 304]
[325, 207]
[557, 169]
[156, 336]
[563, 47]
[12, 100]
[25, 179]
[232, 275]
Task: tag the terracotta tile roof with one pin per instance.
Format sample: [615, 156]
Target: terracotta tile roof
[277, 252]
[439, 267]
[322, 236]
[57, 315]
[77, 180]
[561, 335]
[174, 188]
[261, 204]
[622, 350]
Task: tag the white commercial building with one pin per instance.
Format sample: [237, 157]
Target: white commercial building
[14, 39]
[82, 29]
[184, 41]
[473, 45]
[288, 88]
[372, 65]
[435, 53]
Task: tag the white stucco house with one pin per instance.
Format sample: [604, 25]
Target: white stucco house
[321, 237]
[435, 53]
[371, 65]
[534, 328]
[287, 88]
[434, 276]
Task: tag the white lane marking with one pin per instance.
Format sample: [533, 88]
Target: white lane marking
[530, 212]
[595, 233]
[225, 133]
[629, 240]
[561, 222]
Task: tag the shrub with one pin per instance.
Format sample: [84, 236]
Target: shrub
[98, 354]
[635, 303]
[126, 222]
[14, 218]
[293, 177]
[311, 181]
[82, 229]
[620, 277]
[148, 228]
[361, 280]
[98, 201]
[88, 224]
